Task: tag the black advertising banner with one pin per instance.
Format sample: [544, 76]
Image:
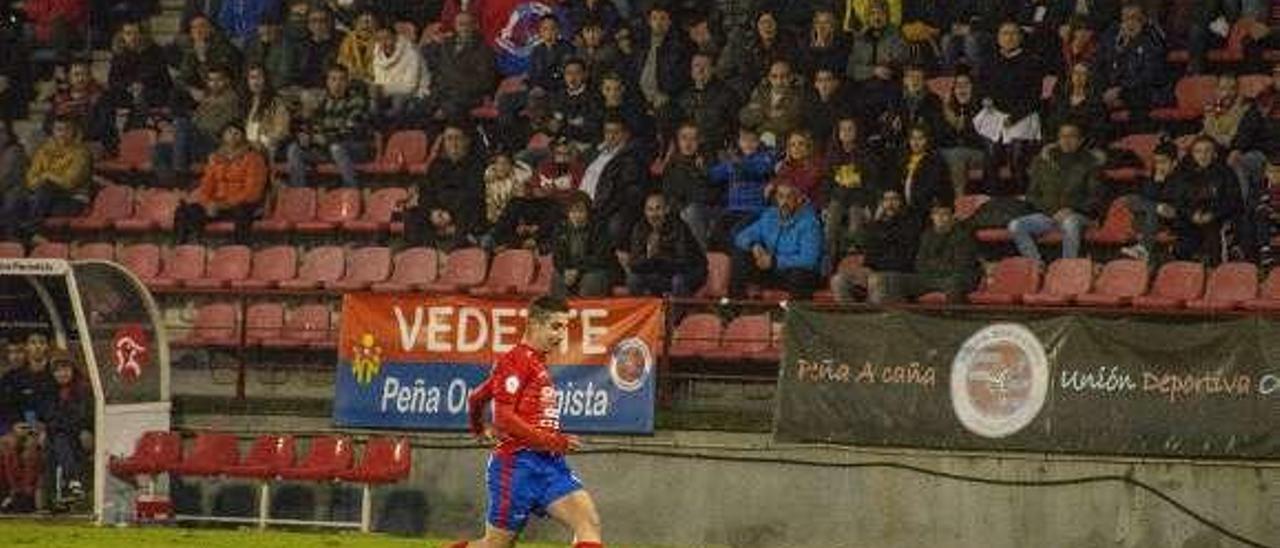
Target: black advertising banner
[1069, 383]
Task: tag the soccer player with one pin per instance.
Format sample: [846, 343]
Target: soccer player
[527, 472]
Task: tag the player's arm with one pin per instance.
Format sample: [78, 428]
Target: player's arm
[476, 401]
[508, 382]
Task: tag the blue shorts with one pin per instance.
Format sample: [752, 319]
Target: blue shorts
[524, 484]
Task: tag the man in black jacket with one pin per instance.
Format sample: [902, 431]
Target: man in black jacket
[662, 256]
[454, 183]
[710, 104]
[463, 68]
[889, 242]
[581, 251]
[615, 180]
[945, 261]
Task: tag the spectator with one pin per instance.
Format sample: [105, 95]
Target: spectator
[923, 174]
[1206, 205]
[826, 48]
[546, 61]
[662, 256]
[561, 174]
[356, 49]
[961, 145]
[68, 423]
[709, 104]
[13, 161]
[206, 50]
[464, 73]
[776, 105]
[455, 181]
[57, 182]
[601, 13]
[339, 130]
[922, 26]
[277, 56]
[269, 117]
[318, 50]
[801, 168]
[25, 392]
[614, 179]
[946, 261]
[828, 103]
[734, 18]
[81, 100]
[58, 23]
[1211, 23]
[1079, 44]
[436, 229]
[583, 265]
[195, 136]
[16, 80]
[135, 58]
[701, 37]
[1257, 135]
[743, 174]
[20, 469]
[1010, 121]
[889, 242]
[781, 249]
[685, 182]
[854, 185]
[527, 223]
[401, 81]
[574, 108]
[504, 180]
[1078, 99]
[231, 189]
[1064, 192]
[1132, 69]
[661, 62]
[877, 51]
[914, 106]
[239, 19]
[619, 102]
[1266, 216]
[858, 13]
[1152, 206]
[595, 50]
[1042, 22]
[967, 41]
[746, 63]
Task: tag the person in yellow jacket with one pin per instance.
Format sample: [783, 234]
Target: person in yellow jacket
[356, 50]
[57, 182]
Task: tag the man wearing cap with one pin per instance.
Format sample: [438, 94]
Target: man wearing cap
[781, 249]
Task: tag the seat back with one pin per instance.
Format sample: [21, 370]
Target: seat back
[1014, 276]
[969, 204]
[215, 448]
[717, 284]
[1068, 277]
[1122, 278]
[12, 250]
[513, 268]
[542, 279]
[99, 251]
[465, 267]
[1194, 92]
[216, 322]
[159, 447]
[1182, 280]
[275, 263]
[294, 205]
[309, 322]
[1252, 85]
[387, 456]
[339, 205]
[698, 333]
[184, 262]
[229, 262]
[51, 250]
[264, 320]
[1143, 145]
[323, 264]
[369, 264]
[382, 204]
[156, 205]
[405, 148]
[274, 452]
[134, 150]
[748, 333]
[1236, 281]
[141, 259]
[332, 452]
[1271, 286]
[416, 265]
[112, 202]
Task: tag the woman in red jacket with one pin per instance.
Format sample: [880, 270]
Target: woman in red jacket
[801, 168]
[58, 21]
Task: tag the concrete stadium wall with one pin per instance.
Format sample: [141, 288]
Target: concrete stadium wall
[666, 501]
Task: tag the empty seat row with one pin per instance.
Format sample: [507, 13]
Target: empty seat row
[265, 324]
[747, 337]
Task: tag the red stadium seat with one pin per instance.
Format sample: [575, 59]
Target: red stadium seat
[1117, 227]
[292, 206]
[463, 269]
[111, 204]
[933, 298]
[1065, 280]
[271, 266]
[851, 264]
[134, 152]
[385, 460]
[1012, 278]
[335, 207]
[183, 263]
[696, 335]
[717, 284]
[263, 322]
[214, 453]
[412, 269]
[227, 264]
[12, 250]
[541, 284]
[306, 326]
[405, 152]
[378, 211]
[156, 452]
[215, 324]
[1253, 85]
[1142, 145]
[1120, 281]
[327, 457]
[51, 250]
[1233, 50]
[267, 456]
[100, 251]
[154, 211]
[320, 266]
[365, 267]
[143, 260]
[512, 270]
[1229, 286]
[1269, 298]
[1176, 283]
[969, 204]
[748, 337]
[1192, 94]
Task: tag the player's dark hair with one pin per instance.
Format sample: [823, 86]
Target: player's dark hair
[547, 305]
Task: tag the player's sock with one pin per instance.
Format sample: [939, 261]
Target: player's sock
[585, 544]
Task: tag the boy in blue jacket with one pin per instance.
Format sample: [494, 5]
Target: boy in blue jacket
[743, 175]
[781, 249]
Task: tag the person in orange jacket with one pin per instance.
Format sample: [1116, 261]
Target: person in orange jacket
[231, 189]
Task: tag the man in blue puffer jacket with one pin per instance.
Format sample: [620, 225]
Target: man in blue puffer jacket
[782, 249]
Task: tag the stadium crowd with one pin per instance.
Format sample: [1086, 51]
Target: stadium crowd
[641, 134]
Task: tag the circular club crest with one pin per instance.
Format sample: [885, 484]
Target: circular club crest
[630, 364]
[131, 352]
[999, 380]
